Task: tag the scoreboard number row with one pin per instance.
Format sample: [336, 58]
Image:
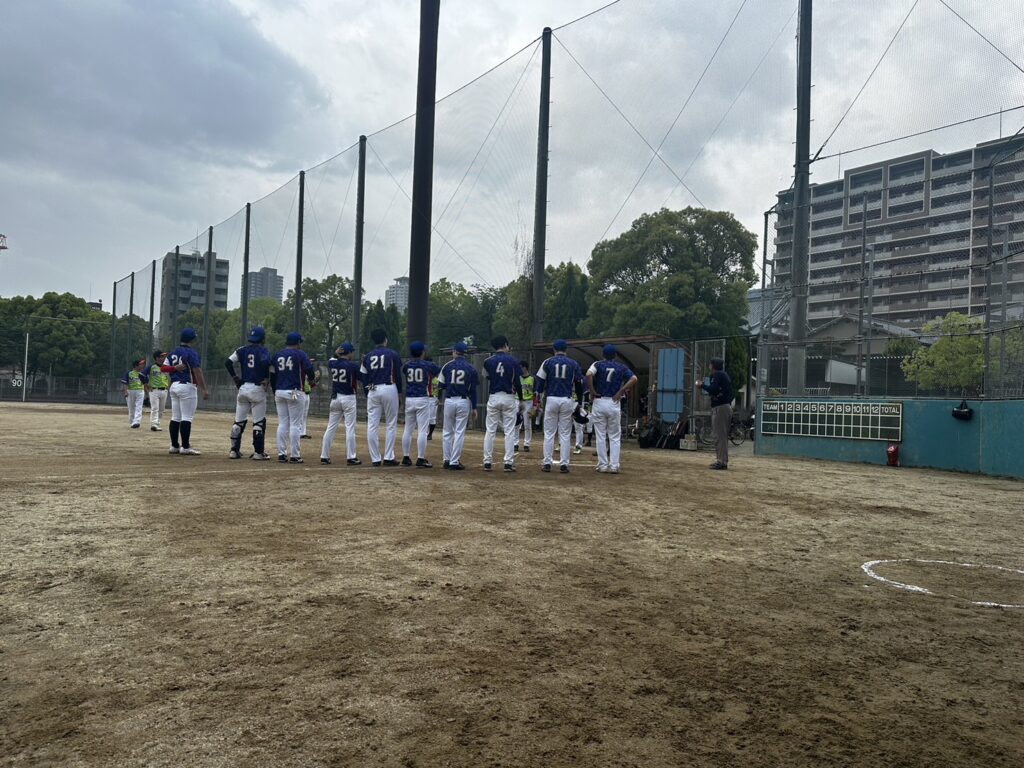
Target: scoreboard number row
[857, 420]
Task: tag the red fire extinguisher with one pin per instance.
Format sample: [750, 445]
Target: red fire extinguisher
[892, 454]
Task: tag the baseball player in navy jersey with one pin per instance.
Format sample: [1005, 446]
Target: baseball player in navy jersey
[382, 376]
[502, 371]
[344, 377]
[458, 380]
[187, 381]
[136, 387]
[609, 382]
[251, 399]
[286, 370]
[559, 378]
[418, 375]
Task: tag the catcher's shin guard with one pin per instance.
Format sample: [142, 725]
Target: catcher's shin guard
[236, 435]
[259, 429]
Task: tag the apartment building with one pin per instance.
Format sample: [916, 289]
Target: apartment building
[183, 286]
[926, 226]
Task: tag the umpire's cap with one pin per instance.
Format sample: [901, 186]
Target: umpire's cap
[345, 348]
[417, 348]
[257, 334]
[560, 345]
[293, 338]
[608, 351]
[461, 347]
[188, 334]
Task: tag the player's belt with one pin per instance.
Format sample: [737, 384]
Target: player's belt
[457, 397]
[159, 388]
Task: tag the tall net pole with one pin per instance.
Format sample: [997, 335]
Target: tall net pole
[797, 369]
[245, 275]
[297, 320]
[540, 210]
[208, 303]
[357, 267]
[423, 173]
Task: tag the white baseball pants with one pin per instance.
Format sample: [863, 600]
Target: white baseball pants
[558, 418]
[606, 416]
[453, 435]
[289, 414]
[433, 410]
[502, 408]
[251, 399]
[382, 399]
[524, 408]
[157, 402]
[305, 398]
[417, 413]
[342, 406]
[184, 401]
[134, 402]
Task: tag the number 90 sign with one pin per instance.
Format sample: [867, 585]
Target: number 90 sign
[15, 382]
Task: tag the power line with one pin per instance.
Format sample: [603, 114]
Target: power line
[865, 85]
[676, 120]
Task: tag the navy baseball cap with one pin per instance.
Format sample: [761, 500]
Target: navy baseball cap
[293, 338]
[560, 345]
[345, 348]
[461, 346]
[416, 348]
[257, 334]
[609, 350]
[188, 334]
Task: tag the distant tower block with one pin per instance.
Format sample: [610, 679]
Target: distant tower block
[3, 242]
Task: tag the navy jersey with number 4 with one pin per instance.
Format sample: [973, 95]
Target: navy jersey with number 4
[288, 365]
[609, 376]
[344, 375]
[255, 362]
[418, 375]
[503, 372]
[558, 376]
[185, 355]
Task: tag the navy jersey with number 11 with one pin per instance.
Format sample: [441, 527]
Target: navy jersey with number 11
[558, 376]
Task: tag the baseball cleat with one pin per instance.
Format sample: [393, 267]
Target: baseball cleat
[487, 466]
[234, 455]
[457, 467]
[446, 464]
[174, 449]
[406, 461]
[547, 468]
[602, 470]
[516, 448]
[295, 460]
[325, 461]
[526, 449]
[577, 450]
[564, 469]
[391, 463]
[424, 464]
[282, 458]
[353, 462]
[190, 452]
[305, 437]
[375, 463]
[509, 468]
[135, 426]
[614, 470]
[718, 465]
[260, 457]
[154, 429]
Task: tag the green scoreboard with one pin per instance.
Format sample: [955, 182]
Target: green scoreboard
[851, 420]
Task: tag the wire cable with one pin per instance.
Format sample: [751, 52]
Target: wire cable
[587, 15]
[978, 32]
[865, 85]
[682, 109]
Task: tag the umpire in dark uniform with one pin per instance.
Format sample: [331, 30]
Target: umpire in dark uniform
[719, 389]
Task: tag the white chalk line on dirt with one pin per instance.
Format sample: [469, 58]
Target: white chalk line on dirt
[869, 569]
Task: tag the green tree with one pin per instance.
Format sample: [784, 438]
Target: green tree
[684, 274]
[326, 312]
[513, 317]
[378, 316]
[453, 314]
[565, 300]
[955, 362]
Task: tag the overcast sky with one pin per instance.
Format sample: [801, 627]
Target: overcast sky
[128, 127]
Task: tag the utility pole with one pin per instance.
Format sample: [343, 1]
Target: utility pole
[763, 350]
[797, 370]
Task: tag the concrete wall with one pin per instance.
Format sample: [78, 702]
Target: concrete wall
[989, 443]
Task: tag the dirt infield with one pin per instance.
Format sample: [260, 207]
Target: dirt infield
[193, 611]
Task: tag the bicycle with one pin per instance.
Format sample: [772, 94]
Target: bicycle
[706, 435]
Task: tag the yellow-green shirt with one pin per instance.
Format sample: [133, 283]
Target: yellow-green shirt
[158, 380]
[527, 384]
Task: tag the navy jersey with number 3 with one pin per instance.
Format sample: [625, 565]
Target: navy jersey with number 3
[255, 362]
